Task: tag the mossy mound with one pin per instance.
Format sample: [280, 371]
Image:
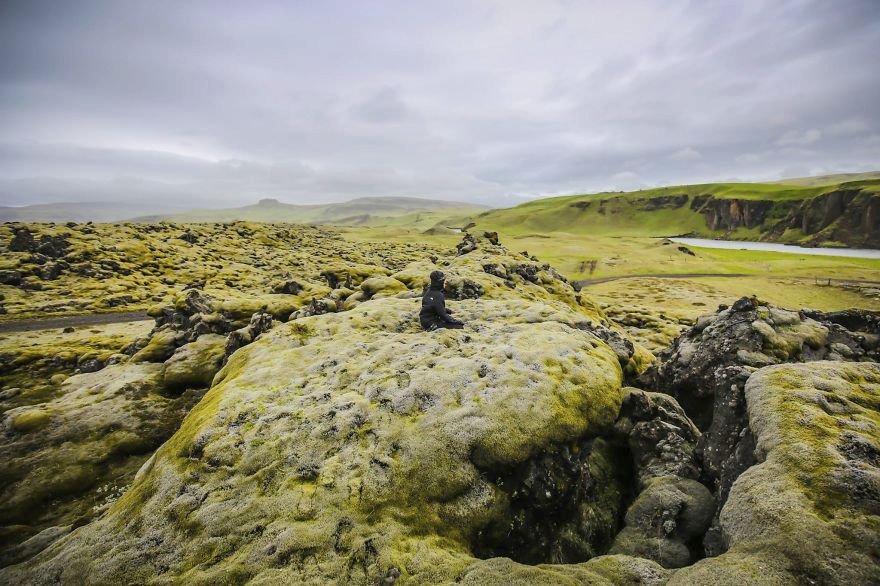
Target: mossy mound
[63, 459]
[353, 446]
[809, 511]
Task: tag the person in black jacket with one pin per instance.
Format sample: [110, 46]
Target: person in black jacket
[434, 314]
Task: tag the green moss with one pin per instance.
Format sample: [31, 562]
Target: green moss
[31, 420]
[804, 503]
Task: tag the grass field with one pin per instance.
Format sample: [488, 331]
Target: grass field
[655, 310]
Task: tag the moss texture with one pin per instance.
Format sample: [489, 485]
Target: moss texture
[808, 512]
[353, 447]
[110, 267]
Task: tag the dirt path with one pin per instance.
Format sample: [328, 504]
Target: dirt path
[48, 323]
[587, 282]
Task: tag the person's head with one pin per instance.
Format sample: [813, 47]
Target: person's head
[438, 279]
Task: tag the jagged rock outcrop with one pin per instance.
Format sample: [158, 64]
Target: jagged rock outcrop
[731, 214]
[260, 323]
[847, 215]
[672, 511]
[661, 437]
[807, 512]
[706, 370]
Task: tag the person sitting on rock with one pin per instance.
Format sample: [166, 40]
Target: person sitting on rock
[434, 315]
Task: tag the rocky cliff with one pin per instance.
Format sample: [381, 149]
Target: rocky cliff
[848, 215]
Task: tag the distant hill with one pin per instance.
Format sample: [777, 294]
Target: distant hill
[79, 212]
[846, 214]
[361, 211]
[820, 180]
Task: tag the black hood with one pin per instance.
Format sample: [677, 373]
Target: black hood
[437, 278]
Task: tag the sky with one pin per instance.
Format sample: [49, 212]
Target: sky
[219, 103]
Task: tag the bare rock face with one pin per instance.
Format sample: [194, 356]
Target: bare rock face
[849, 214]
[672, 510]
[706, 370]
[661, 437]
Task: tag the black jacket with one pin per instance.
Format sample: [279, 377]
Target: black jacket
[433, 312]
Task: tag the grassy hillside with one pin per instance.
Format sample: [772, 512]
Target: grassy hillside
[666, 211]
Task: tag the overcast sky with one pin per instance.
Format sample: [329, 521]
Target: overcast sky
[220, 103]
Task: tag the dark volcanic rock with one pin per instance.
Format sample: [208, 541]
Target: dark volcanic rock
[463, 289]
[260, 322]
[661, 437]
[730, 214]
[565, 504]
[849, 215]
[467, 244]
[289, 287]
[10, 277]
[663, 202]
[707, 367]
[22, 241]
[667, 520]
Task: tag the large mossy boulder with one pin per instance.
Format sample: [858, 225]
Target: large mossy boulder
[354, 447]
[64, 458]
[809, 511]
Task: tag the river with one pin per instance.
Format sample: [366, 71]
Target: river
[774, 247]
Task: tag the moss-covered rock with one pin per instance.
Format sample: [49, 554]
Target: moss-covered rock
[196, 363]
[667, 516]
[363, 448]
[158, 347]
[245, 266]
[63, 459]
[707, 368]
[359, 444]
[808, 511]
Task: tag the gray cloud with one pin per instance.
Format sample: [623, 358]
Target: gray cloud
[219, 103]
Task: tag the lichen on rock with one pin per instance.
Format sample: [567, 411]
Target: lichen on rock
[352, 446]
[808, 511]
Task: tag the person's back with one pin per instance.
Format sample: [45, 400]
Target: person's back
[434, 314]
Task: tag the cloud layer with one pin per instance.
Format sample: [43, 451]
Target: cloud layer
[222, 102]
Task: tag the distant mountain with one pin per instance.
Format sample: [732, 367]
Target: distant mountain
[360, 211]
[79, 212]
[821, 180]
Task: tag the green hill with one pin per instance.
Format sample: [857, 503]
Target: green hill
[840, 214]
